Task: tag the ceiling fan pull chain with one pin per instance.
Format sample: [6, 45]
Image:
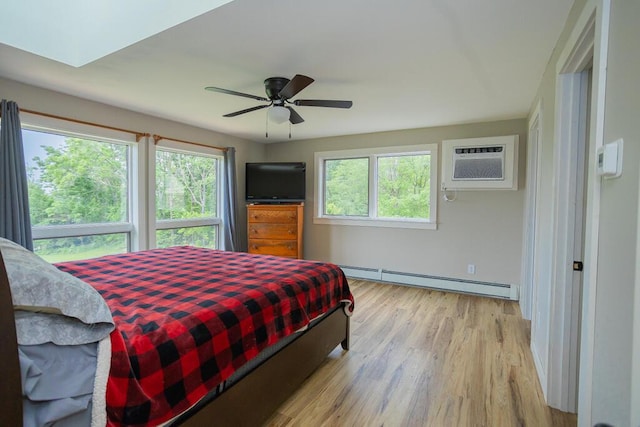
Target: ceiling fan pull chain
[289, 130]
[266, 126]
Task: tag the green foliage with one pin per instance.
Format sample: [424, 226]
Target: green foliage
[347, 187]
[86, 181]
[39, 203]
[185, 186]
[195, 236]
[74, 248]
[79, 183]
[403, 186]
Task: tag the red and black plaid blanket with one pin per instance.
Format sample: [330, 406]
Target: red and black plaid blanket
[186, 318]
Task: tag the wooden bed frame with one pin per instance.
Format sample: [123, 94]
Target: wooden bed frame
[249, 402]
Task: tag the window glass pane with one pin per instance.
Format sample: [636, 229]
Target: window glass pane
[403, 185]
[73, 248]
[75, 181]
[193, 236]
[346, 187]
[185, 186]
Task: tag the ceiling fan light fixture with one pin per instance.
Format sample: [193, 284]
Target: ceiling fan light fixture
[278, 114]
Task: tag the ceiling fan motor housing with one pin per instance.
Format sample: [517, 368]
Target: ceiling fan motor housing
[273, 86]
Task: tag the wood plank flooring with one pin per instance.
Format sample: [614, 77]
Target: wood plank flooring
[425, 358]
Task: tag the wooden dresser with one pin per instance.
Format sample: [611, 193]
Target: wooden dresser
[275, 229]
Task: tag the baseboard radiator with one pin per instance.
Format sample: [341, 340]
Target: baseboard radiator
[489, 289]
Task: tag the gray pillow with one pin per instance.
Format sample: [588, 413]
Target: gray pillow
[51, 305]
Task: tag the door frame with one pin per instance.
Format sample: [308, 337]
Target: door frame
[529, 256]
[587, 44]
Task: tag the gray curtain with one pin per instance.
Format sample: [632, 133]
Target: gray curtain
[15, 223]
[229, 211]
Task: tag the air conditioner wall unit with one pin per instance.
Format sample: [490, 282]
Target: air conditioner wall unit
[480, 163]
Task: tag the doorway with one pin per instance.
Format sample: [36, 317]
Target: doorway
[564, 347]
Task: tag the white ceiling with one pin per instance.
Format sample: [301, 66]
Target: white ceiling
[404, 64]
[54, 27]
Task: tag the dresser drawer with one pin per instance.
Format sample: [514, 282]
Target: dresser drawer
[258, 230]
[287, 248]
[273, 216]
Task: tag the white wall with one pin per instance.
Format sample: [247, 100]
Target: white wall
[481, 227]
[46, 101]
[614, 364]
[613, 340]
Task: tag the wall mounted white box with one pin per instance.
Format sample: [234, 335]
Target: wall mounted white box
[491, 163]
[610, 159]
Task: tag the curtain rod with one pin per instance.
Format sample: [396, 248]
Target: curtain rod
[158, 138]
[139, 135]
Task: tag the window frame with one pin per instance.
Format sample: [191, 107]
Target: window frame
[171, 224]
[372, 220]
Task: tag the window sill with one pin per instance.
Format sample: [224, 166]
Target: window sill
[375, 222]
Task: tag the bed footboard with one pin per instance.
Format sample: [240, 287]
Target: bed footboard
[252, 400]
[10, 386]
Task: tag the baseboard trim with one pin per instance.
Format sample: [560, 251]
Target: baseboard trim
[494, 290]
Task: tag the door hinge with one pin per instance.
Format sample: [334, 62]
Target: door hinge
[578, 266]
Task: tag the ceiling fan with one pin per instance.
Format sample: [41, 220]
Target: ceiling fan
[279, 91]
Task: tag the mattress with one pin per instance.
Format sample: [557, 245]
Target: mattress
[188, 318]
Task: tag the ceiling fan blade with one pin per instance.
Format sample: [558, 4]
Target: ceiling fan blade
[294, 117]
[233, 92]
[295, 85]
[323, 103]
[248, 110]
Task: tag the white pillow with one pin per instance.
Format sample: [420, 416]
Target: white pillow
[51, 305]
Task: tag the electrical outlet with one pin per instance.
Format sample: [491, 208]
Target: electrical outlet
[471, 269]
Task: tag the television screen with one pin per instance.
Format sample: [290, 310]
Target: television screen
[275, 182]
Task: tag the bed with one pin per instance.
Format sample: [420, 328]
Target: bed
[192, 336]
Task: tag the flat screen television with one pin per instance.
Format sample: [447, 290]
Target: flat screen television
[275, 182]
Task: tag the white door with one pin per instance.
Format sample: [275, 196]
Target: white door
[579, 225]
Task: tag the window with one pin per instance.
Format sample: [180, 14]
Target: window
[95, 191]
[79, 194]
[388, 187]
[186, 194]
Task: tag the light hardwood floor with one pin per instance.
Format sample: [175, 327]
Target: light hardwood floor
[425, 358]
